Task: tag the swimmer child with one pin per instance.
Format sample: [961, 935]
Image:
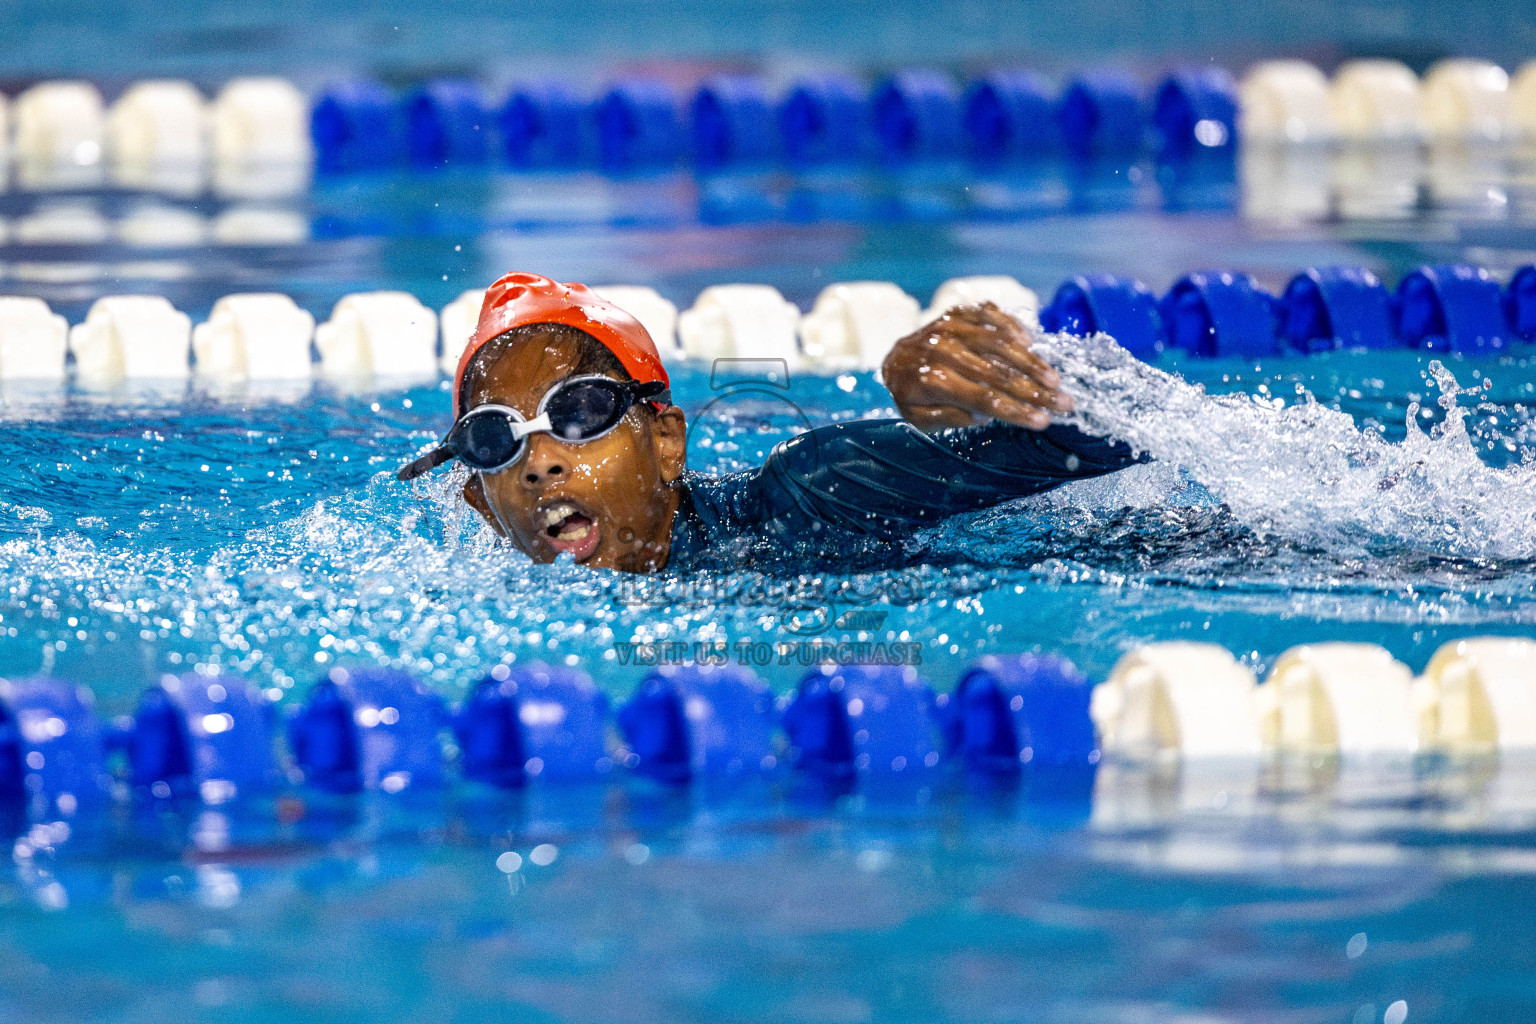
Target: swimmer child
[563, 415]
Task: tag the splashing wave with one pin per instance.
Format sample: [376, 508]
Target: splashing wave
[1306, 472]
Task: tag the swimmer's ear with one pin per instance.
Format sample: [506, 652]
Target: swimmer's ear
[474, 493]
[671, 433]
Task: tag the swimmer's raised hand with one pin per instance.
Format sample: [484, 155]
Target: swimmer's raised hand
[971, 365]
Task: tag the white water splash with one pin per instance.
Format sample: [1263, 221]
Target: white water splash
[1305, 471]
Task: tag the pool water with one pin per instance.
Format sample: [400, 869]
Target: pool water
[1308, 895]
[1382, 497]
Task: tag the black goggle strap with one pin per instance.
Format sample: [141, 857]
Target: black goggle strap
[428, 462]
[653, 391]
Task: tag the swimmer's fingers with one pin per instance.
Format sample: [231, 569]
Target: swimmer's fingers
[1020, 358]
[999, 337]
[974, 362]
[954, 386]
[1000, 373]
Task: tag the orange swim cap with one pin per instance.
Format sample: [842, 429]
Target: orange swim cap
[521, 299]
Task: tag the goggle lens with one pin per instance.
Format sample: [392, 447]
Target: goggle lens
[585, 409]
[486, 440]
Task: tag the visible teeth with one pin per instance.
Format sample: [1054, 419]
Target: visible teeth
[578, 533]
[558, 513]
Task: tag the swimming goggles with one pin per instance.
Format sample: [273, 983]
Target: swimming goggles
[576, 410]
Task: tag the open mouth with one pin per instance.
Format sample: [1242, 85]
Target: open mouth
[568, 528]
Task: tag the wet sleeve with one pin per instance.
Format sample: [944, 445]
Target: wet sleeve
[887, 478]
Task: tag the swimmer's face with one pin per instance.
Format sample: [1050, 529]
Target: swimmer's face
[609, 503]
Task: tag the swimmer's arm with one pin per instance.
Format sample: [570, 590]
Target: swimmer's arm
[887, 477]
[970, 366]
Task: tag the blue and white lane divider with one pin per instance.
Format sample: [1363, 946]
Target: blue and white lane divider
[359, 124]
[1205, 314]
[212, 737]
[65, 132]
[924, 113]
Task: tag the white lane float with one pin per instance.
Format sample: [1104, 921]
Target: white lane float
[1466, 99]
[1178, 699]
[1003, 291]
[254, 336]
[1284, 183]
[1465, 173]
[59, 124]
[459, 319]
[656, 314]
[740, 321]
[33, 340]
[1522, 100]
[1284, 101]
[1482, 695]
[132, 336]
[260, 121]
[157, 123]
[855, 325]
[1376, 100]
[63, 222]
[1377, 180]
[259, 225]
[260, 181]
[381, 334]
[156, 226]
[1340, 698]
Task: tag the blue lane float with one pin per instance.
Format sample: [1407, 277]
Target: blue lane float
[1100, 115]
[61, 743]
[1010, 115]
[533, 721]
[821, 120]
[541, 125]
[1325, 308]
[447, 124]
[1121, 307]
[1450, 308]
[353, 127]
[211, 734]
[564, 718]
[1204, 180]
[322, 737]
[13, 788]
[370, 727]
[637, 125]
[918, 113]
[1212, 314]
[158, 746]
[490, 734]
[1026, 711]
[690, 721]
[1520, 303]
[915, 114]
[733, 122]
[1195, 110]
[862, 720]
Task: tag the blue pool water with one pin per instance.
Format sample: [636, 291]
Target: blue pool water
[262, 533]
[1384, 497]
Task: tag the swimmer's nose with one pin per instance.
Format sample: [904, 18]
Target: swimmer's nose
[544, 464]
